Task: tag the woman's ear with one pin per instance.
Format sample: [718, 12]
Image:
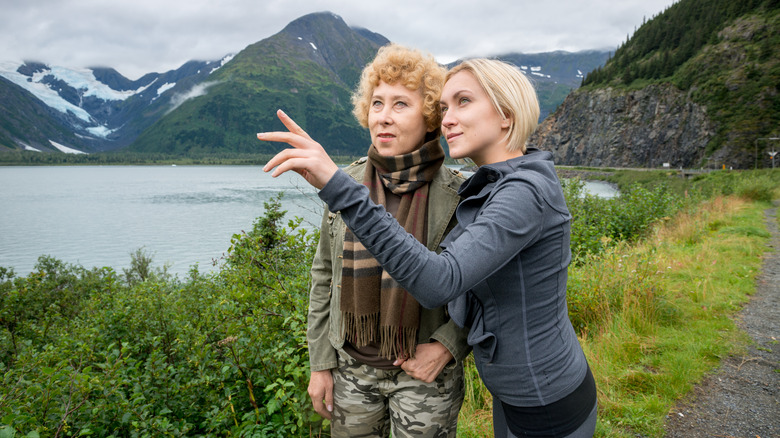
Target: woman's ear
[506, 122]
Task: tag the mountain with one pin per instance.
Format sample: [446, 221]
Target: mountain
[308, 69]
[555, 74]
[696, 86]
[27, 123]
[100, 108]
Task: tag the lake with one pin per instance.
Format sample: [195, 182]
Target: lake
[181, 215]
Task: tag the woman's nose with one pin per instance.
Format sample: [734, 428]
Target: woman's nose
[447, 119]
[385, 117]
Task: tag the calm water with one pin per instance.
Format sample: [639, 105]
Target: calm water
[181, 215]
[97, 216]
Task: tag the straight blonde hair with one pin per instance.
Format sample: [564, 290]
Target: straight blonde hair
[511, 93]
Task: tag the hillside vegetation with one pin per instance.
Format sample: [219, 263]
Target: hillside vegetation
[308, 69]
[725, 54]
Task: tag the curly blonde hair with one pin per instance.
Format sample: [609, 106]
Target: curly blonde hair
[416, 71]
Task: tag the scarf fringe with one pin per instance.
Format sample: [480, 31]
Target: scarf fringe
[394, 342]
[398, 342]
[360, 330]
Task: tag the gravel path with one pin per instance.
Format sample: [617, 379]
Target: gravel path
[742, 398]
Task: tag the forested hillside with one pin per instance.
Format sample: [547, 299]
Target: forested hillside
[724, 56]
[695, 86]
[308, 69]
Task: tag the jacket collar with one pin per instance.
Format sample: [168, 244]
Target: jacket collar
[489, 174]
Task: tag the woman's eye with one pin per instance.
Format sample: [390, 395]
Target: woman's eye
[376, 104]
[463, 100]
[400, 104]
[443, 109]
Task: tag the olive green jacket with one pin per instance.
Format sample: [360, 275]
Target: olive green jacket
[324, 331]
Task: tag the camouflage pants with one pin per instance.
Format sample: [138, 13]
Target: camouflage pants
[369, 402]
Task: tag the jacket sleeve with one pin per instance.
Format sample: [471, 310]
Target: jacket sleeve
[322, 356]
[454, 338]
[436, 279]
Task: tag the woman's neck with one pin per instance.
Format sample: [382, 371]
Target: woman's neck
[498, 155]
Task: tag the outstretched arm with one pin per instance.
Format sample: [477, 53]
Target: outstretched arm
[495, 237]
[307, 157]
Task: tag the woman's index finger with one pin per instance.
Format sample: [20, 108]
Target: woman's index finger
[290, 124]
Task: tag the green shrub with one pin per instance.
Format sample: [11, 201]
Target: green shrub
[84, 353]
[599, 223]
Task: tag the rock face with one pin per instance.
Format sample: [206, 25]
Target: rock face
[628, 128]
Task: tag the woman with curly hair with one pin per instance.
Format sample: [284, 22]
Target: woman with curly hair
[379, 361]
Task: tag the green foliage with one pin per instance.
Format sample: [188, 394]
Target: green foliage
[647, 198]
[83, 353]
[599, 223]
[753, 185]
[123, 157]
[141, 269]
[663, 44]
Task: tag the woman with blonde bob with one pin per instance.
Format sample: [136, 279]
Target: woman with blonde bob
[503, 269]
[381, 363]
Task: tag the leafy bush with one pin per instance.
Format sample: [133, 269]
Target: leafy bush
[84, 353]
[599, 223]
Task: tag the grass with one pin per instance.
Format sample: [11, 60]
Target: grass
[660, 320]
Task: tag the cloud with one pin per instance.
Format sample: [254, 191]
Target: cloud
[200, 89]
[142, 36]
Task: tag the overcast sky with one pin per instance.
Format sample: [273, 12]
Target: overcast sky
[142, 36]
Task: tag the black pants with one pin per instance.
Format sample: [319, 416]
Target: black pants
[501, 429]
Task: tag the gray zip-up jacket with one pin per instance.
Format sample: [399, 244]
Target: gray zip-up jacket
[324, 333]
[503, 270]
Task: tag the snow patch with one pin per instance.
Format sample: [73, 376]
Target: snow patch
[536, 69]
[165, 87]
[142, 89]
[100, 131]
[27, 147]
[65, 149]
[41, 91]
[84, 80]
[313, 46]
[222, 62]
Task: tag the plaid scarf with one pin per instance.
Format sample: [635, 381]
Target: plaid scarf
[375, 308]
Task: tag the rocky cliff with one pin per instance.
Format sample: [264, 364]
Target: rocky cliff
[696, 86]
[608, 127]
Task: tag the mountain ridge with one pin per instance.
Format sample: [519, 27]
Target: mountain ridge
[309, 68]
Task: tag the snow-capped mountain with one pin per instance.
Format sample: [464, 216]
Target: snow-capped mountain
[104, 109]
[310, 67]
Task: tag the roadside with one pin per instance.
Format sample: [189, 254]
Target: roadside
[741, 399]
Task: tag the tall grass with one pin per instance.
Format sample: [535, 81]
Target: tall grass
[654, 316]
